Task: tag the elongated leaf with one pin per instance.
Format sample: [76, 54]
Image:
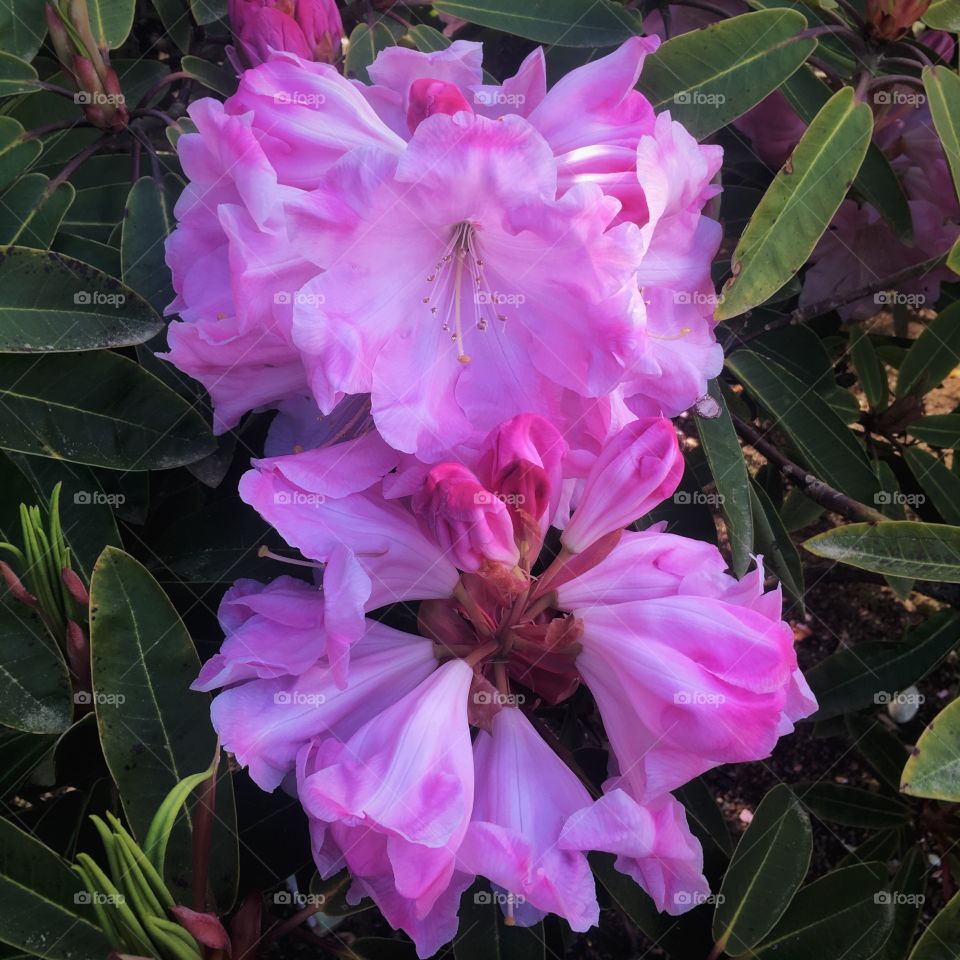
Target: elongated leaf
[872, 671]
[933, 354]
[939, 941]
[876, 182]
[45, 911]
[147, 222]
[566, 23]
[939, 430]
[427, 39]
[870, 371]
[933, 769]
[16, 154]
[847, 913]
[111, 21]
[22, 27]
[851, 806]
[729, 471]
[206, 11]
[827, 446]
[16, 75]
[69, 406]
[882, 749]
[213, 77]
[706, 78]
[161, 826]
[34, 685]
[773, 541]
[943, 96]
[30, 214]
[942, 485]
[20, 754]
[154, 731]
[767, 869]
[907, 893]
[900, 548]
[799, 204]
[365, 43]
[53, 303]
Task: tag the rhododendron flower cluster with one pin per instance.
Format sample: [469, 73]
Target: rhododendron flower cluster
[496, 294]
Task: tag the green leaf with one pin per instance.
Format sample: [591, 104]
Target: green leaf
[943, 96]
[16, 75]
[365, 43]
[565, 23]
[851, 806]
[22, 27]
[207, 11]
[937, 480]
[427, 39]
[34, 684]
[212, 76]
[870, 371]
[99, 255]
[939, 941]
[68, 406]
[153, 730]
[774, 543]
[729, 471]
[30, 214]
[876, 182]
[907, 893]
[161, 826]
[20, 754]
[953, 257]
[939, 430]
[52, 303]
[933, 354]
[824, 442]
[175, 17]
[882, 749]
[16, 154]
[707, 78]
[943, 15]
[767, 869]
[147, 223]
[900, 548]
[44, 904]
[844, 914]
[869, 673]
[799, 204]
[933, 769]
[111, 21]
[491, 939]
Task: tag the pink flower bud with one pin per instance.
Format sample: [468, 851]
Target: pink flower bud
[17, 590]
[638, 469]
[75, 586]
[78, 654]
[311, 29]
[471, 524]
[428, 96]
[268, 31]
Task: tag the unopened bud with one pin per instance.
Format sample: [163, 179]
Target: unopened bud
[78, 654]
[891, 19]
[17, 590]
[75, 586]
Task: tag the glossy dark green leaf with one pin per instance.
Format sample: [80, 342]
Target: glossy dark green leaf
[34, 685]
[365, 43]
[799, 511]
[30, 213]
[729, 471]
[901, 548]
[99, 255]
[939, 941]
[908, 895]
[876, 182]
[706, 78]
[427, 39]
[110, 21]
[799, 204]
[50, 303]
[882, 749]
[16, 75]
[20, 753]
[943, 97]
[773, 542]
[155, 732]
[207, 11]
[69, 406]
[870, 371]
[212, 76]
[937, 480]
[175, 17]
[566, 23]
[943, 15]
[933, 355]
[869, 673]
[825, 443]
[148, 221]
[933, 769]
[16, 154]
[766, 871]
[847, 913]
[938, 429]
[852, 806]
[22, 27]
[45, 908]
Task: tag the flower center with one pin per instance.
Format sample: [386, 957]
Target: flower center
[461, 265]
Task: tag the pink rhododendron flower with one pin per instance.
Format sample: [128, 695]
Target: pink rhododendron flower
[689, 668]
[398, 253]
[311, 29]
